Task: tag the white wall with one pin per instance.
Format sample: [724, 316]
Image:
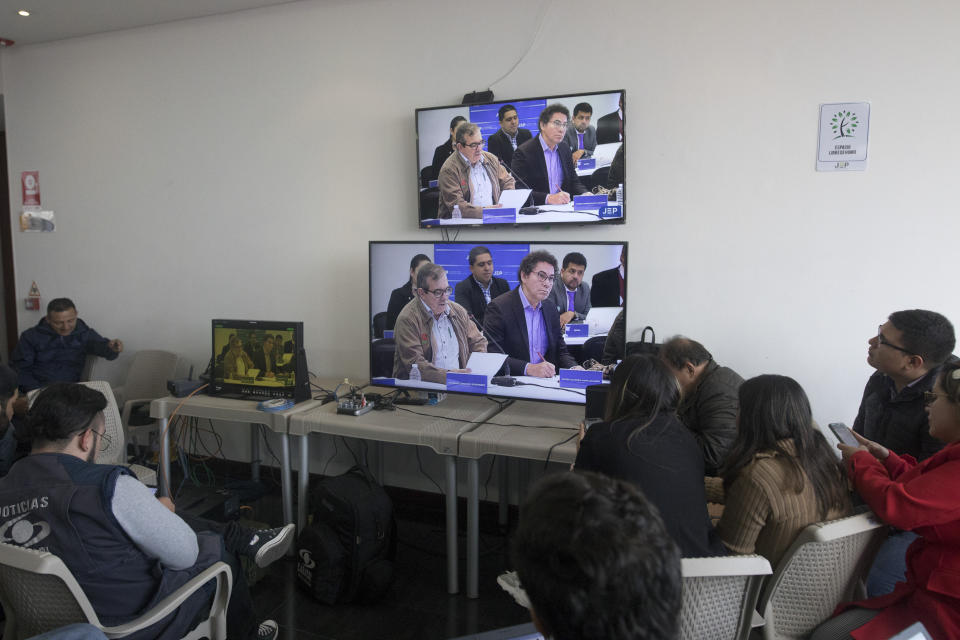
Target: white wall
[236, 166]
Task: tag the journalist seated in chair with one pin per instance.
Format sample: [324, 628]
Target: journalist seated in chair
[596, 561]
[126, 548]
[780, 475]
[921, 497]
[641, 440]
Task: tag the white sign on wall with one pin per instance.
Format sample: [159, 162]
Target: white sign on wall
[844, 132]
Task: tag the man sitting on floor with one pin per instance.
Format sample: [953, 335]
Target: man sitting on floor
[595, 561]
[126, 548]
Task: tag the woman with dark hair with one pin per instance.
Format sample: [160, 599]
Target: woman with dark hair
[920, 497]
[780, 474]
[403, 294]
[642, 441]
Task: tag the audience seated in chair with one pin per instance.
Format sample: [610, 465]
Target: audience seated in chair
[595, 561]
[641, 440]
[922, 498]
[780, 475]
[126, 548]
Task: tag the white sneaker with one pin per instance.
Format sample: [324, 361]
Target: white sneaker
[268, 630]
[269, 545]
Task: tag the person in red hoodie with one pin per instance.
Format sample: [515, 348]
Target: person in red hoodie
[920, 497]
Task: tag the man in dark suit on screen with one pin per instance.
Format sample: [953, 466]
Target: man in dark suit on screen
[545, 163]
[475, 292]
[609, 288]
[505, 141]
[528, 331]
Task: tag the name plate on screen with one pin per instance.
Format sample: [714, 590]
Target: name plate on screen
[589, 201]
[575, 330]
[577, 379]
[467, 382]
[499, 215]
[388, 333]
[430, 222]
[432, 183]
[384, 382]
[611, 211]
[587, 163]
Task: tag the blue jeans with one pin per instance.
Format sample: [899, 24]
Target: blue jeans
[73, 632]
[890, 564]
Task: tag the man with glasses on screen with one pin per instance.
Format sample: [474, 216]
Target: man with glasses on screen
[519, 324]
[432, 332]
[471, 178]
[545, 163]
[907, 353]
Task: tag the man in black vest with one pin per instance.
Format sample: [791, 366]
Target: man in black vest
[127, 549]
[475, 292]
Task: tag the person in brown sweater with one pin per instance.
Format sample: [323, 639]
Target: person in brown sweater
[781, 474]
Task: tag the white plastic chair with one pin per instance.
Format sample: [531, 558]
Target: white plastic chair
[822, 568]
[719, 596]
[38, 594]
[146, 381]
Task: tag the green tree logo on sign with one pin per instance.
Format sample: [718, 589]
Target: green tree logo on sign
[844, 124]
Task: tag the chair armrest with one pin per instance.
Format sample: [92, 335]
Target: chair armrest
[218, 570]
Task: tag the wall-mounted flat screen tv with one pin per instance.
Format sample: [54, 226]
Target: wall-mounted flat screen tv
[510, 319]
[547, 160]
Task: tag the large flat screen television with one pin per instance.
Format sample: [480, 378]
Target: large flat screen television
[440, 330]
[499, 172]
[259, 359]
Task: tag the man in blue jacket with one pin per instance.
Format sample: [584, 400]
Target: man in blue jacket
[55, 349]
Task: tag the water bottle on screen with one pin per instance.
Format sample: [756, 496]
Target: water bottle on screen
[415, 373]
[456, 215]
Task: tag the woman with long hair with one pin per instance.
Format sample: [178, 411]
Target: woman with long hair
[780, 474]
[920, 497]
[642, 441]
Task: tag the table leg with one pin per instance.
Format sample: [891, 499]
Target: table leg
[303, 491]
[164, 476]
[255, 452]
[286, 487]
[473, 528]
[503, 490]
[453, 577]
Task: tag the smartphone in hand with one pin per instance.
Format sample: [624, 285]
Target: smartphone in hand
[844, 434]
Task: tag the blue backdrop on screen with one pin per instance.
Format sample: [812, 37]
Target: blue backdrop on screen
[485, 117]
[455, 259]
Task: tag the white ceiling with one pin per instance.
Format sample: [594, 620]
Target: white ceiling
[59, 19]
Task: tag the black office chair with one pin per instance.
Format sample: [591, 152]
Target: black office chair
[381, 358]
[593, 348]
[379, 324]
[429, 203]
[600, 176]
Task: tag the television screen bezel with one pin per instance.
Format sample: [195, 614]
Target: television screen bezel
[625, 244]
[252, 391]
[494, 225]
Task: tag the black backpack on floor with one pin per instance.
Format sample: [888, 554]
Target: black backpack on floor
[347, 553]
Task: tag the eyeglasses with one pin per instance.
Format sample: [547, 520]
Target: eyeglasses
[882, 340]
[105, 440]
[929, 397]
[559, 124]
[439, 293]
[472, 145]
[546, 278]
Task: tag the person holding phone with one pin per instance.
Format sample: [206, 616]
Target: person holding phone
[922, 497]
[780, 474]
